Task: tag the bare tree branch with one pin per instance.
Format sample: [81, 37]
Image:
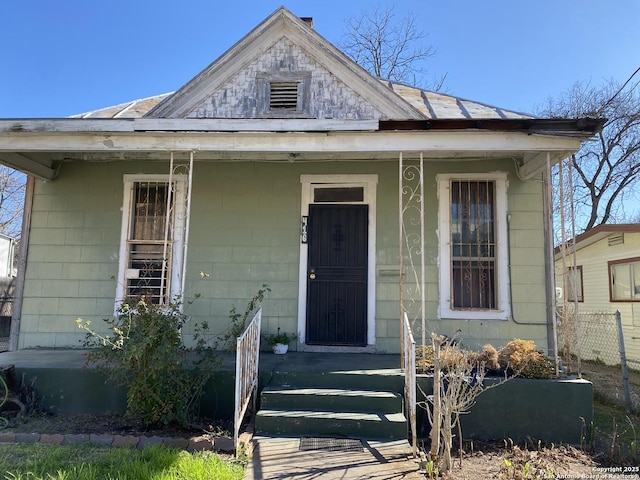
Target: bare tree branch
[606, 169]
[388, 48]
[12, 187]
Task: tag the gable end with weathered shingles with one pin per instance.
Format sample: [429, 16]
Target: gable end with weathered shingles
[246, 94]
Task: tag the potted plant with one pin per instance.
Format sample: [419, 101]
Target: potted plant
[279, 342]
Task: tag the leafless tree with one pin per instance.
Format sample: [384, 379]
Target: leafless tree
[12, 188]
[458, 380]
[606, 169]
[388, 47]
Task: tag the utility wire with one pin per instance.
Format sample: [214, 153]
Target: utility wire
[608, 102]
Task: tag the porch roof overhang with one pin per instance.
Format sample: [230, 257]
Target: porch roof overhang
[38, 146]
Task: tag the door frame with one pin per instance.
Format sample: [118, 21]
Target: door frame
[369, 183]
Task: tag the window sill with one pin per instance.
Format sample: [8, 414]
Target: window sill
[473, 315]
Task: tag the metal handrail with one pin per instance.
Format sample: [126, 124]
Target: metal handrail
[409, 368]
[247, 356]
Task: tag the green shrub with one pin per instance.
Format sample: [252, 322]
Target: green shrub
[145, 352]
[238, 322]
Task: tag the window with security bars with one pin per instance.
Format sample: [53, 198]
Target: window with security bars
[150, 242]
[473, 245]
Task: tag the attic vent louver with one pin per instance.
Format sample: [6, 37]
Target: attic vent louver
[616, 239]
[283, 95]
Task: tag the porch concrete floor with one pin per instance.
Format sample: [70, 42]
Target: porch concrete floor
[269, 362]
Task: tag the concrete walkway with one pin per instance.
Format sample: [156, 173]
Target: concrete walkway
[280, 458]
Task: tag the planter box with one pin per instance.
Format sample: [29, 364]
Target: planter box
[524, 410]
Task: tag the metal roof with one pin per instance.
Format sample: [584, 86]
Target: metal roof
[432, 105]
[133, 109]
[439, 106]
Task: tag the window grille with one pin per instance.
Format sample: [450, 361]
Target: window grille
[473, 245]
[149, 244]
[283, 96]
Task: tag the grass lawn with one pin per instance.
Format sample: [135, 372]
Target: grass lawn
[615, 433]
[90, 462]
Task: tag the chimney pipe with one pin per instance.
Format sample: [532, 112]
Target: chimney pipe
[308, 21]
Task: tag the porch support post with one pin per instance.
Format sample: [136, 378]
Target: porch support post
[411, 241]
[423, 294]
[552, 334]
[400, 238]
[18, 295]
[167, 222]
[576, 305]
[187, 223]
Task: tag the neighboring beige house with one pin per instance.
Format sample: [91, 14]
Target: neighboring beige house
[280, 163]
[605, 277]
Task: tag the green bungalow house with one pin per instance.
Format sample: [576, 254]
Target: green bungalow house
[284, 163]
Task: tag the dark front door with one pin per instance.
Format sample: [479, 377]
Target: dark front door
[337, 275]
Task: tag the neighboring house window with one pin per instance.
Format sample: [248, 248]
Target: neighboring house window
[152, 234]
[283, 94]
[624, 280]
[473, 238]
[573, 284]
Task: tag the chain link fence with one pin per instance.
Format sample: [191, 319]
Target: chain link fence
[6, 309]
[590, 346]
[7, 287]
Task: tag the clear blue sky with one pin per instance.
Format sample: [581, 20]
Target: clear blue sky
[61, 57]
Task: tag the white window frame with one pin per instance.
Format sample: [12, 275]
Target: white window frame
[574, 286]
[177, 255]
[445, 309]
[631, 264]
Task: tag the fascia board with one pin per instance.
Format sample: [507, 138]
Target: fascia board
[335, 141]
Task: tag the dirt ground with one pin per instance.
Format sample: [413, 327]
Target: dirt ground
[113, 425]
[506, 462]
[598, 460]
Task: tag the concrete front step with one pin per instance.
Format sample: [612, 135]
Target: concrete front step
[327, 423]
[292, 410]
[389, 379]
[331, 399]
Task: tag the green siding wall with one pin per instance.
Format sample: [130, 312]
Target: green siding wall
[245, 231]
